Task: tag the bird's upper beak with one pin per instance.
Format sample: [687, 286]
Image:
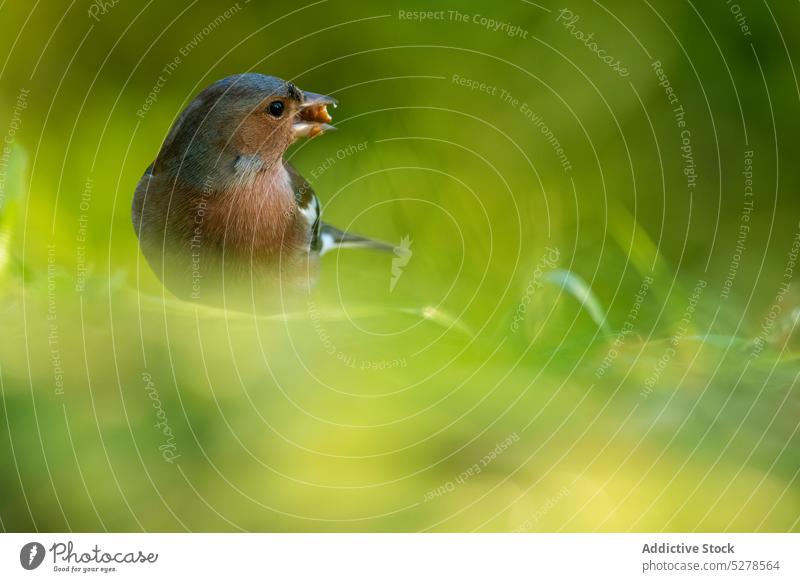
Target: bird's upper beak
[313, 117]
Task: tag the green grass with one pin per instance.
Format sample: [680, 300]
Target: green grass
[362, 406]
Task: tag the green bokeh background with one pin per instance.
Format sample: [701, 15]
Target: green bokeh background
[369, 409]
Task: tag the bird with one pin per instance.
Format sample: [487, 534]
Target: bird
[221, 216]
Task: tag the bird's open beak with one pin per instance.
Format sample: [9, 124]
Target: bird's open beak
[313, 117]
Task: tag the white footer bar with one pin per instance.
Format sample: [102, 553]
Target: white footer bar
[389, 557]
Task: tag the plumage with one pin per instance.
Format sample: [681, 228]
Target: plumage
[221, 217]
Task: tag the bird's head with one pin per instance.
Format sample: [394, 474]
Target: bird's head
[240, 125]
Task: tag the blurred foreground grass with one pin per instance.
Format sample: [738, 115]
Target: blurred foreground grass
[296, 422]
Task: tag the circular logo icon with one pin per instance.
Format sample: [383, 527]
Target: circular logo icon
[31, 555]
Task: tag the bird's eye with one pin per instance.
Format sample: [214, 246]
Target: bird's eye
[276, 108]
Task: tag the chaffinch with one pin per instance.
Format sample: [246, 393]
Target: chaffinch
[221, 216]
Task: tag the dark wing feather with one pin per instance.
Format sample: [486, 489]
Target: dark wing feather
[322, 236]
[308, 204]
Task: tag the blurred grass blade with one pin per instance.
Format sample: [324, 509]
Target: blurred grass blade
[178, 307]
[578, 288]
[643, 254]
[441, 318]
[637, 244]
[12, 187]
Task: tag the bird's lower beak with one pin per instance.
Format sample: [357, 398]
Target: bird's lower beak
[313, 117]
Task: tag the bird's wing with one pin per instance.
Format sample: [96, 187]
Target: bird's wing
[322, 236]
[307, 204]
